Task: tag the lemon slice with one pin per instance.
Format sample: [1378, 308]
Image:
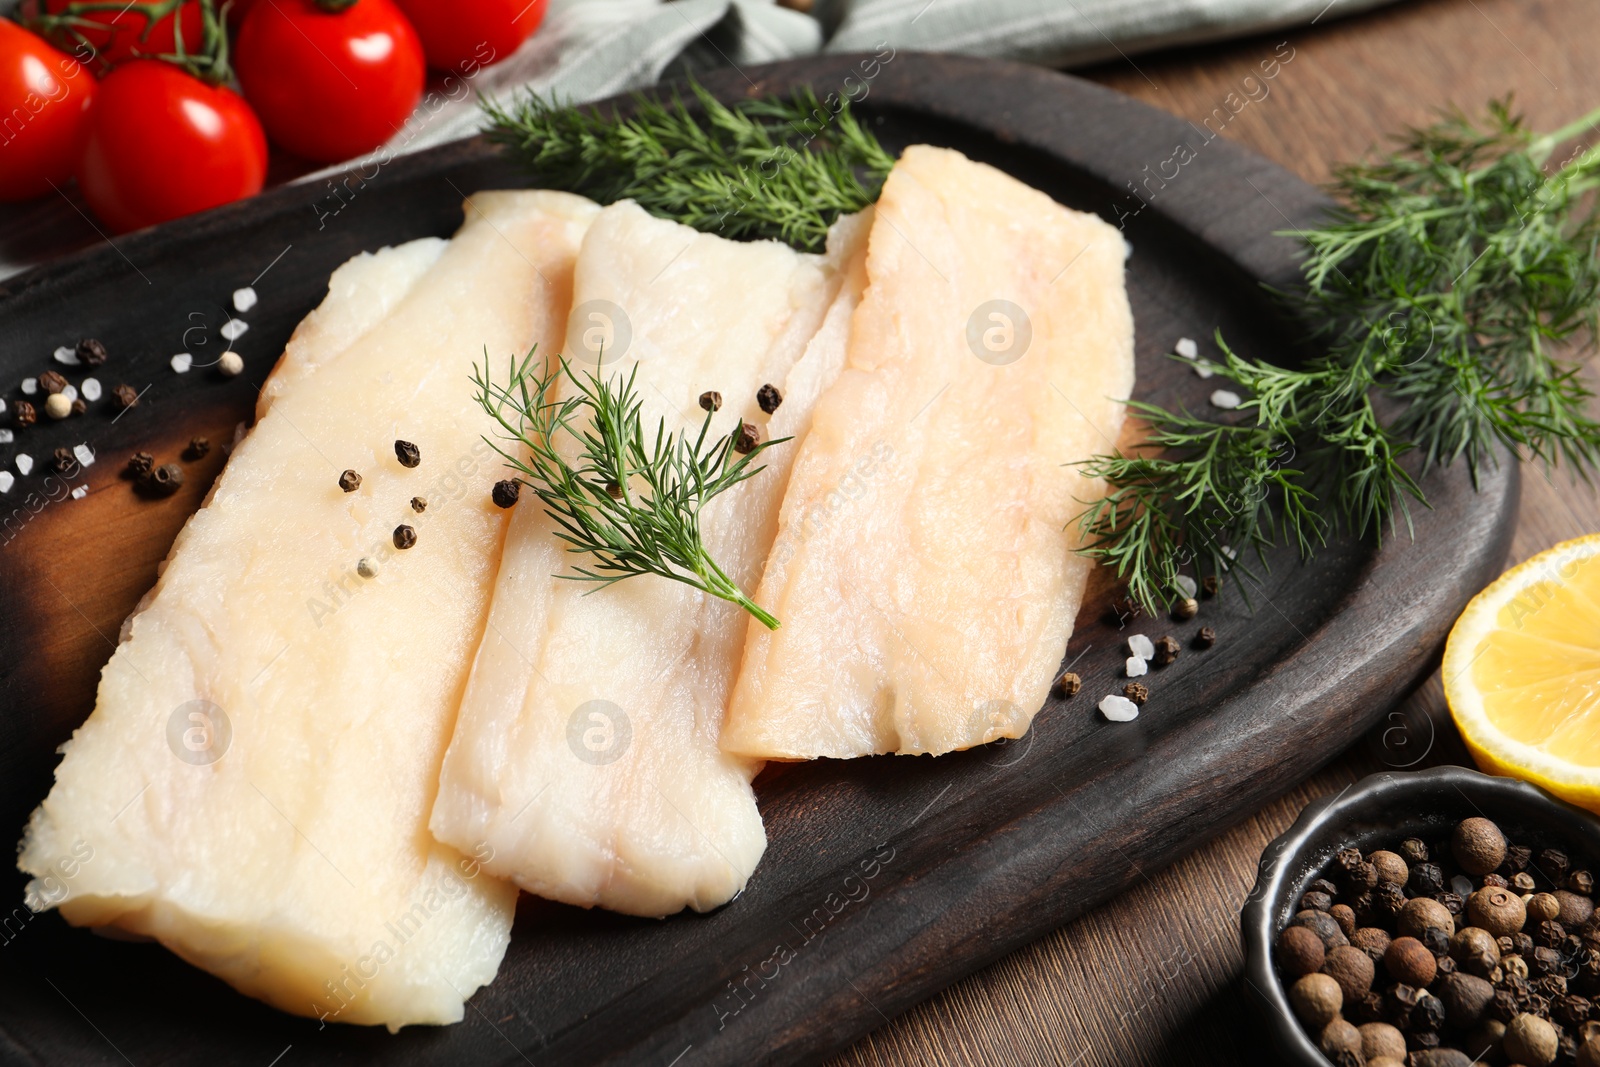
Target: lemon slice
[1522, 672]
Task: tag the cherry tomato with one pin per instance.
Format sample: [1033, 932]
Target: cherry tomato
[463, 35]
[163, 143]
[44, 113]
[139, 29]
[329, 86]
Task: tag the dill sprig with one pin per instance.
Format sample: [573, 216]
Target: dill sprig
[1451, 274]
[773, 168]
[633, 506]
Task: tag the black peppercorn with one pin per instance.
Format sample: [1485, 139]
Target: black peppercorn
[1366, 1009]
[163, 480]
[140, 464]
[80, 406]
[1523, 882]
[1550, 933]
[769, 398]
[1428, 1014]
[1521, 944]
[506, 492]
[1205, 638]
[1322, 885]
[711, 400]
[1505, 1006]
[749, 437]
[1348, 859]
[25, 414]
[126, 397]
[1136, 692]
[1581, 882]
[1436, 940]
[1398, 1003]
[1413, 851]
[1518, 857]
[1312, 901]
[64, 462]
[1361, 876]
[1388, 899]
[407, 453]
[349, 481]
[1545, 961]
[1209, 586]
[419, 505]
[1067, 685]
[1424, 1043]
[1167, 650]
[404, 537]
[52, 382]
[1426, 879]
[199, 448]
[1451, 901]
[1552, 861]
[91, 352]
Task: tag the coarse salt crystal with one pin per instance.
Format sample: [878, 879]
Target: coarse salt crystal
[1204, 370]
[7, 480]
[1119, 709]
[2, 406]
[6, 437]
[234, 329]
[244, 299]
[1140, 646]
[182, 362]
[1186, 348]
[80, 492]
[70, 392]
[91, 388]
[24, 463]
[1226, 399]
[1135, 666]
[84, 455]
[1187, 587]
[68, 356]
[30, 386]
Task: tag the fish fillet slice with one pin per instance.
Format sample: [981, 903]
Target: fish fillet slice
[925, 568]
[586, 750]
[298, 865]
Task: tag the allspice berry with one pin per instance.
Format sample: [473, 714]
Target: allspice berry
[1345, 916]
[1323, 925]
[1391, 868]
[1422, 913]
[1353, 970]
[1476, 951]
[1484, 1040]
[1499, 911]
[1316, 999]
[1385, 1061]
[1588, 1054]
[1408, 961]
[1381, 1039]
[1530, 1041]
[1300, 951]
[1340, 1036]
[1576, 909]
[1374, 941]
[1438, 1057]
[1479, 846]
[1542, 907]
[1465, 997]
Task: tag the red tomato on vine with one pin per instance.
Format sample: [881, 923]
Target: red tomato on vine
[163, 143]
[462, 35]
[330, 79]
[45, 96]
[113, 34]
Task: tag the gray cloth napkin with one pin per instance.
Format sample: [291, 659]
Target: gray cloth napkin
[589, 49]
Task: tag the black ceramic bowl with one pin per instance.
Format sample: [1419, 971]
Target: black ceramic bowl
[1381, 811]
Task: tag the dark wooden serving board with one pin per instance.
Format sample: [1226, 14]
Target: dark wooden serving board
[885, 879]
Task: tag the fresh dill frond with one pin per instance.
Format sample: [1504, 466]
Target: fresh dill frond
[774, 168]
[632, 506]
[1451, 274]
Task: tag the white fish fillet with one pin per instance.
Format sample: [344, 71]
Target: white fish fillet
[586, 750]
[297, 864]
[925, 570]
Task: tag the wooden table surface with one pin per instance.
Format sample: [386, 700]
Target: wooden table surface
[1155, 978]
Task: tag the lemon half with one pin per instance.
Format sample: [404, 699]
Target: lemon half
[1522, 672]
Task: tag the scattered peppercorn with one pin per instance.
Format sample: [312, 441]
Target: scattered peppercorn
[126, 396]
[1167, 650]
[404, 537]
[1186, 609]
[1498, 911]
[1300, 951]
[1205, 638]
[505, 492]
[349, 481]
[25, 414]
[1345, 916]
[80, 406]
[230, 364]
[199, 448]
[1523, 882]
[711, 400]
[1323, 925]
[1387, 899]
[1315, 900]
[1414, 851]
[366, 568]
[749, 437]
[407, 453]
[91, 352]
[613, 489]
[1554, 863]
[1209, 586]
[419, 505]
[163, 480]
[1530, 1041]
[1478, 846]
[1136, 692]
[52, 382]
[1408, 961]
[1390, 867]
[57, 406]
[1576, 908]
[1067, 685]
[140, 464]
[1316, 999]
[1581, 882]
[64, 462]
[1426, 880]
[769, 398]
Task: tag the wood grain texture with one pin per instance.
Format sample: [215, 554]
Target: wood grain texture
[1154, 977]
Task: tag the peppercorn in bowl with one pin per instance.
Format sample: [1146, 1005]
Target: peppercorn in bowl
[1439, 918]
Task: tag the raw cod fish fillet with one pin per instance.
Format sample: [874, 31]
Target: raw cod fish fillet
[281, 842]
[586, 752]
[925, 569]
